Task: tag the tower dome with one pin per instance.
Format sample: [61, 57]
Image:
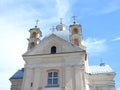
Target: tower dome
[61, 26]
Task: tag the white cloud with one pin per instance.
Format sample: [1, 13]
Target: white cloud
[95, 46]
[4, 2]
[12, 45]
[116, 39]
[12, 39]
[62, 7]
[118, 88]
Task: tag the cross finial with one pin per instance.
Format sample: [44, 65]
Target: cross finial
[102, 64]
[74, 18]
[36, 23]
[52, 29]
[61, 20]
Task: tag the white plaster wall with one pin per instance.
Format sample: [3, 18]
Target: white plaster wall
[16, 84]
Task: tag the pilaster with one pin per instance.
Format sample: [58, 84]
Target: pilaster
[36, 82]
[79, 78]
[68, 79]
[28, 79]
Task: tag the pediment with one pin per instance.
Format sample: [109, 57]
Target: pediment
[44, 47]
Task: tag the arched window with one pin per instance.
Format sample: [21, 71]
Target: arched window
[32, 44]
[76, 41]
[52, 78]
[53, 50]
[75, 31]
[34, 34]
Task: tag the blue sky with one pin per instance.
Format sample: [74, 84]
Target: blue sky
[100, 20]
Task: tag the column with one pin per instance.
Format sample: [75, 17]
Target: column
[63, 78]
[73, 78]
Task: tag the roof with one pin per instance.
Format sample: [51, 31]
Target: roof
[100, 69]
[18, 74]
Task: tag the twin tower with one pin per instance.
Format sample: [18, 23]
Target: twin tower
[75, 34]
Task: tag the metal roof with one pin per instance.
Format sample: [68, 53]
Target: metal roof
[18, 74]
[99, 69]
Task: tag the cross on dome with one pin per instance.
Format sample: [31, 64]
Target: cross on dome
[61, 20]
[52, 29]
[36, 23]
[74, 18]
[102, 63]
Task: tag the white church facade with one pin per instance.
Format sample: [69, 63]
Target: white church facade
[59, 62]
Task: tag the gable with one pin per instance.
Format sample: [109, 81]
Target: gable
[62, 46]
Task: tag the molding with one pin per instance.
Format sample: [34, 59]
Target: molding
[56, 54]
[53, 65]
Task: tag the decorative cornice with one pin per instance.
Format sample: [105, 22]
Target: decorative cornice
[54, 65]
[62, 53]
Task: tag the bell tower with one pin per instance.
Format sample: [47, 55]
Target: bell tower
[75, 33]
[35, 35]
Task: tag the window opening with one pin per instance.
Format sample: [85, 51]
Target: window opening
[75, 31]
[76, 41]
[53, 50]
[52, 79]
[34, 34]
[31, 84]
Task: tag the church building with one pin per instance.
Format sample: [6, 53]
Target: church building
[59, 61]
